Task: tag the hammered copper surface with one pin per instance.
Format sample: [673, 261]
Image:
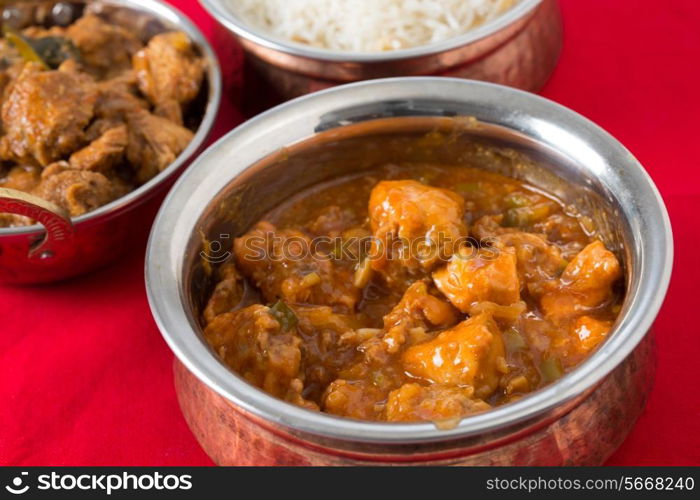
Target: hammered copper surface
[586, 434]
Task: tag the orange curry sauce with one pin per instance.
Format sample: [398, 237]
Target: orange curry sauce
[413, 292]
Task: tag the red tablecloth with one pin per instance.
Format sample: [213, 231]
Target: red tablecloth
[85, 377]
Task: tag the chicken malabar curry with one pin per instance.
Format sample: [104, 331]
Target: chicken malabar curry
[89, 112]
[413, 292]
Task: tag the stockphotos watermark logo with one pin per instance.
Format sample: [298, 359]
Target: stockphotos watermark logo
[18, 484]
[101, 483]
[270, 246]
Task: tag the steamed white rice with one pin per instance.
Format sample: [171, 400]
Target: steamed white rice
[367, 25]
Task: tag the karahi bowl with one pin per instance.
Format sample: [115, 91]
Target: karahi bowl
[578, 420]
[58, 247]
[519, 48]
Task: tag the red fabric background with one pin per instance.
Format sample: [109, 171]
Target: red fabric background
[85, 377]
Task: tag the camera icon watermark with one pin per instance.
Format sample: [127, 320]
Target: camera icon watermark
[216, 251]
[17, 486]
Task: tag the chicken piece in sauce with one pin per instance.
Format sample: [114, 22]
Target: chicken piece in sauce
[480, 275]
[464, 355]
[415, 226]
[585, 284]
[538, 260]
[588, 332]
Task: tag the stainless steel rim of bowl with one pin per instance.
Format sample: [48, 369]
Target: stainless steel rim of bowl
[225, 16]
[168, 13]
[534, 116]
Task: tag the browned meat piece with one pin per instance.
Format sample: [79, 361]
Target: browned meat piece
[412, 402]
[154, 143]
[585, 284]
[116, 99]
[569, 341]
[45, 115]
[484, 275]
[78, 191]
[415, 227]
[103, 153]
[170, 73]
[227, 294]
[23, 178]
[282, 263]
[467, 354]
[106, 49]
[253, 343]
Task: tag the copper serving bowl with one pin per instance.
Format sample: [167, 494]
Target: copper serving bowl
[580, 419]
[520, 49]
[59, 247]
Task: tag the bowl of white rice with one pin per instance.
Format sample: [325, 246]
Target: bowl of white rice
[301, 46]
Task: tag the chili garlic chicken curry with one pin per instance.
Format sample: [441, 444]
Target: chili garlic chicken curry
[412, 293]
[89, 112]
